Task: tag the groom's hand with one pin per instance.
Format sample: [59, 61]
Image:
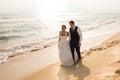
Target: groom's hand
[79, 44]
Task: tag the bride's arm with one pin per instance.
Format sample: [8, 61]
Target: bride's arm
[68, 34]
[59, 37]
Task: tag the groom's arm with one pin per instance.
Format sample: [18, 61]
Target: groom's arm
[80, 35]
[69, 36]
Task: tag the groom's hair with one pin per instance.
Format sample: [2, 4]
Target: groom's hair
[72, 22]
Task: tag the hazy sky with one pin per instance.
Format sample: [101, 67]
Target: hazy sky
[59, 6]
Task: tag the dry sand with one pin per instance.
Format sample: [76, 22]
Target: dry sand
[99, 63]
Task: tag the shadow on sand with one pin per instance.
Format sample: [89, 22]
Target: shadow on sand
[77, 72]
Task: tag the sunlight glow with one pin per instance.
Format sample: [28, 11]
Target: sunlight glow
[50, 7]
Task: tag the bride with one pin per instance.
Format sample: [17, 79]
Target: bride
[65, 54]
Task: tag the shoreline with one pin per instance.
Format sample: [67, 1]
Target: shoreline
[6, 54]
[35, 46]
[54, 41]
[25, 48]
[38, 60]
[105, 59]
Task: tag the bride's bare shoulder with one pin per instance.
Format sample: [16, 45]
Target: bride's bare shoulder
[59, 32]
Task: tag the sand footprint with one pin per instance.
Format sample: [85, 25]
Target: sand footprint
[112, 43]
[117, 72]
[109, 45]
[118, 61]
[106, 46]
[115, 42]
[88, 52]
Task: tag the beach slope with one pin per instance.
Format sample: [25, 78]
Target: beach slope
[101, 62]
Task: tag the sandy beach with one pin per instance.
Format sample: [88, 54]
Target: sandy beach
[101, 62]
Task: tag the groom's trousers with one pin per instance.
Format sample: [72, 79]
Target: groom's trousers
[74, 47]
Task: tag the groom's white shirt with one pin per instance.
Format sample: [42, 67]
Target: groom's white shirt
[80, 34]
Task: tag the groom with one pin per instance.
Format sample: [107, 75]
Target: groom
[75, 39]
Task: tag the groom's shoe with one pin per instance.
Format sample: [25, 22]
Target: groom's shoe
[80, 60]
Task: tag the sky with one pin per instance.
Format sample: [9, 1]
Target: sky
[52, 7]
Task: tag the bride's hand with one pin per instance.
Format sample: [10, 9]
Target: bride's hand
[79, 44]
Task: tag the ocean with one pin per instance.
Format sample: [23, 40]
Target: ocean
[24, 33]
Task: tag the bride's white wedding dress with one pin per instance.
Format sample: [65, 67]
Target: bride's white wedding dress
[65, 54]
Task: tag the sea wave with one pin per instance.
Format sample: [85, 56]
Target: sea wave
[11, 52]
[7, 37]
[100, 25]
